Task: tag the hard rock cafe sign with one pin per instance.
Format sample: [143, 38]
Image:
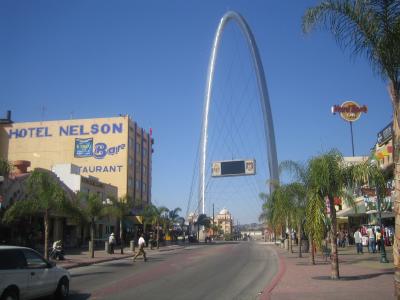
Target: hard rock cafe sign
[349, 110]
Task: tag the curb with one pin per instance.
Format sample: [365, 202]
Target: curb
[73, 265]
[266, 293]
[88, 263]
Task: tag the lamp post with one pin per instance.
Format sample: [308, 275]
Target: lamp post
[378, 199]
[383, 251]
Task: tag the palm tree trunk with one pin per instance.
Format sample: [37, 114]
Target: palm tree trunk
[121, 235]
[334, 250]
[299, 239]
[311, 245]
[92, 238]
[46, 234]
[396, 159]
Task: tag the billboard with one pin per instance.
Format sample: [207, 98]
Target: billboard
[233, 168]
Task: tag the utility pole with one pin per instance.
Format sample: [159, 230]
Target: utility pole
[213, 220]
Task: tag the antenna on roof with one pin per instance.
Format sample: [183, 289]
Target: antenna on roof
[43, 112]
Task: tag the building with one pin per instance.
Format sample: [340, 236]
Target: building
[115, 150]
[224, 220]
[71, 231]
[62, 226]
[365, 212]
[30, 230]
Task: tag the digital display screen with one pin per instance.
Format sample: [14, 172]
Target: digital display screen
[232, 167]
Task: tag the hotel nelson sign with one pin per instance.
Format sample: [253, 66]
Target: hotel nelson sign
[84, 147]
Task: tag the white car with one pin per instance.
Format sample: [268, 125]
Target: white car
[25, 274]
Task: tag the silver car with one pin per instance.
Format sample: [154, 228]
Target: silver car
[25, 274]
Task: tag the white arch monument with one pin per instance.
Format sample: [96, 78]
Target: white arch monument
[264, 99]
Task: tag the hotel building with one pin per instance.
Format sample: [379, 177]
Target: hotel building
[114, 150]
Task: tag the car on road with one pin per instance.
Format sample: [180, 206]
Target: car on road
[25, 274]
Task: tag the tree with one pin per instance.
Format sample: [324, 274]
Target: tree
[153, 214]
[271, 213]
[173, 216]
[91, 210]
[45, 197]
[120, 209]
[370, 28]
[328, 179]
[5, 167]
[298, 190]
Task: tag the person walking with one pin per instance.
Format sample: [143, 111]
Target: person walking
[141, 243]
[371, 240]
[358, 241]
[378, 238]
[111, 242]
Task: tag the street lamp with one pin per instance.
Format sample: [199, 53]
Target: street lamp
[107, 202]
[378, 198]
[383, 251]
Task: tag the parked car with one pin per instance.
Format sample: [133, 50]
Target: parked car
[25, 274]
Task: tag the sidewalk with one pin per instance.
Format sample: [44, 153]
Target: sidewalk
[75, 258]
[362, 276]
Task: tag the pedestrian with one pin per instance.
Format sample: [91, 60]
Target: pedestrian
[371, 240]
[358, 241]
[111, 242]
[141, 243]
[378, 238]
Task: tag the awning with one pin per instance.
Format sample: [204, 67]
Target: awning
[130, 221]
[384, 214]
[350, 211]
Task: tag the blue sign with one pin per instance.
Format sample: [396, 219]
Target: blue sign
[86, 148]
[83, 147]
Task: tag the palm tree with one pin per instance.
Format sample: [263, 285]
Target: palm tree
[272, 214]
[153, 214]
[120, 209]
[315, 222]
[5, 167]
[299, 192]
[369, 28]
[173, 216]
[328, 178]
[282, 209]
[44, 196]
[92, 209]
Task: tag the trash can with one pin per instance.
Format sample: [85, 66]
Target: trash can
[132, 246]
[286, 244]
[304, 246]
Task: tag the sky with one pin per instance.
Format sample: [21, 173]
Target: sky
[87, 59]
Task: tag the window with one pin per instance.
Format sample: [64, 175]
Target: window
[138, 148]
[144, 170]
[144, 187]
[34, 260]
[144, 152]
[137, 184]
[12, 259]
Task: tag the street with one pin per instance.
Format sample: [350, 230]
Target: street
[229, 270]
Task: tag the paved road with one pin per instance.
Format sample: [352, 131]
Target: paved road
[218, 271]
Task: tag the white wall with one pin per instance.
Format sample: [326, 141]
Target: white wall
[69, 174]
